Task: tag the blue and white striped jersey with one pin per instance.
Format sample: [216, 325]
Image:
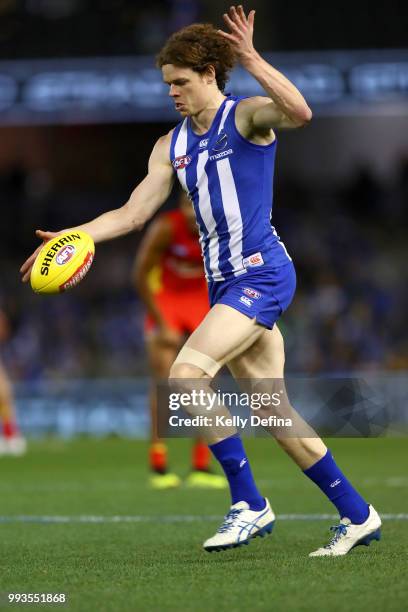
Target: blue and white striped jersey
[229, 181]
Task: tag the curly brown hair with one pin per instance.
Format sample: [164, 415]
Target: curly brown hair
[199, 46]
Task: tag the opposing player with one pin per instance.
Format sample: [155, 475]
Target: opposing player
[168, 276]
[11, 441]
[223, 154]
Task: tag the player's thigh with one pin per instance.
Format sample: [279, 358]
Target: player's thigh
[265, 358]
[224, 333]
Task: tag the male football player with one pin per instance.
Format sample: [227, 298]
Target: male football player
[222, 153]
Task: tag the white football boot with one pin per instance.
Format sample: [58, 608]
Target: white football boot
[347, 536]
[241, 525]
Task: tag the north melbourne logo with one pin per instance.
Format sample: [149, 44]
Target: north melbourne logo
[221, 142]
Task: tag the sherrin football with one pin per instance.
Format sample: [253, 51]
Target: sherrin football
[62, 262]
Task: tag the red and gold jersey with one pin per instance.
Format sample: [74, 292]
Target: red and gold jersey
[181, 266]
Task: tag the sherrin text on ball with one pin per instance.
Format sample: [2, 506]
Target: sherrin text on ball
[62, 262]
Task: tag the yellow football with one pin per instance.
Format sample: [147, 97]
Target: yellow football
[62, 262]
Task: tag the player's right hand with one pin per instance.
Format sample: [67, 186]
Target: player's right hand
[25, 269]
[241, 32]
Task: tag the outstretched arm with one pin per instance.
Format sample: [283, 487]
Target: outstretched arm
[286, 106]
[148, 196]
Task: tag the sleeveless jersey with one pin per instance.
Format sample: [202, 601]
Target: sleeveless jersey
[183, 253]
[230, 182]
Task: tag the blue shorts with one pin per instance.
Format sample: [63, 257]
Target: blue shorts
[262, 293]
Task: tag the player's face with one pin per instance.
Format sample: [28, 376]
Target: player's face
[188, 89]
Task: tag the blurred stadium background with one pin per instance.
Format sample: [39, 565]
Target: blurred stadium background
[81, 106]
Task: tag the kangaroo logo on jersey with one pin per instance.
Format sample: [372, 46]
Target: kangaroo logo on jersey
[181, 162]
[221, 142]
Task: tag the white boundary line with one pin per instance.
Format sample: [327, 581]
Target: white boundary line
[176, 518]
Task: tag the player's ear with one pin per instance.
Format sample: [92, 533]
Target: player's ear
[209, 74]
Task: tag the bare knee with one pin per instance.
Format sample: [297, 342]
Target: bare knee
[187, 380]
[181, 371]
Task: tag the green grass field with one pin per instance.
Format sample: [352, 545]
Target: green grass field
[157, 563]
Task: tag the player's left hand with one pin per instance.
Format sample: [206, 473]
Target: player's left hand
[25, 269]
[241, 31]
